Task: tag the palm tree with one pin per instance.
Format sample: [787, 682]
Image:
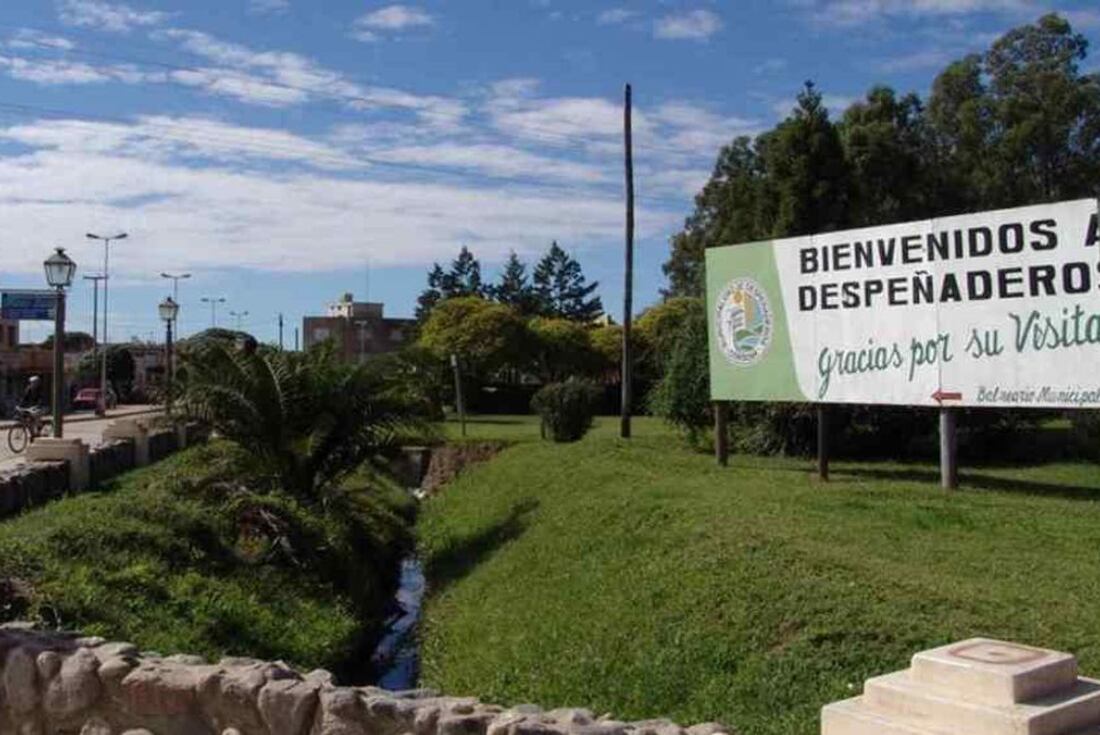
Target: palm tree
[305, 420]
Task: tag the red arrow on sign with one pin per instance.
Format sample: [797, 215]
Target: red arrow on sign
[941, 395]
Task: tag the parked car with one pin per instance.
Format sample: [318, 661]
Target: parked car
[88, 398]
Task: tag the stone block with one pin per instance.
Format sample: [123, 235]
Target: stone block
[73, 451]
[977, 687]
[135, 431]
[983, 670]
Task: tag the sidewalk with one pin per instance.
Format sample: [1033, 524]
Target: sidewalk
[114, 413]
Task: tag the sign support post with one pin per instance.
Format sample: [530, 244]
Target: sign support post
[822, 442]
[949, 448]
[721, 433]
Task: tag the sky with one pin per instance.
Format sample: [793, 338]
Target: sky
[284, 152]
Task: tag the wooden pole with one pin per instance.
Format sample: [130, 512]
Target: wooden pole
[949, 448]
[628, 289]
[721, 433]
[822, 442]
[460, 404]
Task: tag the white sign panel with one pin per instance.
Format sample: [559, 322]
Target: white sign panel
[992, 309]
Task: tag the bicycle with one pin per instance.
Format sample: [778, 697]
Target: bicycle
[28, 427]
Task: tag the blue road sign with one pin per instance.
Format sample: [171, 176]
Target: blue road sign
[28, 306]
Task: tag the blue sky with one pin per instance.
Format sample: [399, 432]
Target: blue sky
[284, 154]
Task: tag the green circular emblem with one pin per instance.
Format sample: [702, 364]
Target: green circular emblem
[744, 322]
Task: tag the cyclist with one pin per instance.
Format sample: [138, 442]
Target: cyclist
[33, 402]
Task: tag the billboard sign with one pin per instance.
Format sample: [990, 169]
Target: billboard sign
[991, 309]
[28, 305]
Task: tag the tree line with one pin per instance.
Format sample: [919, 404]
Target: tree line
[556, 289]
[1018, 124]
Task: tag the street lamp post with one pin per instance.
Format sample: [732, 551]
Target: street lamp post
[60, 270]
[239, 316]
[213, 308]
[102, 407]
[168, 309]
[176, 278]
[95, 279]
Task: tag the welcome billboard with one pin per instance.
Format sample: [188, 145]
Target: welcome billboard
[996, 308]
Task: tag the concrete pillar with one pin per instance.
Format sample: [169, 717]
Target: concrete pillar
[135, 431]
[73, 451]
[977, 686]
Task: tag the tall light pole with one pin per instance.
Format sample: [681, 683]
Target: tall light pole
[239, 316]
[176, 293]
[95, 279]
[213, 301]
[60, 270]
[168, 311]
[102, 408]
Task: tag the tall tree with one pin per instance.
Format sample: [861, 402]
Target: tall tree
[886, 144]
[513, 289]
[731, 208]
[464, 278]
[808, 172]
[562, 290]
[1047, 111]
[430, 296]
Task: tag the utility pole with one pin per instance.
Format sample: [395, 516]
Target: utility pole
[280, 331]
[460, 404]
[213, 301]
[95, 279]
[102, 408]
[628, 291]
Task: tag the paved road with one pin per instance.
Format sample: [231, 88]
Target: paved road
[77, 426]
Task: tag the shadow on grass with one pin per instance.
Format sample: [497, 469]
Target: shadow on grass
[976, 481]
[461, 558]
[493, 420]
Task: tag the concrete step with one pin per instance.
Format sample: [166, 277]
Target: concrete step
[995, 672]
[852, 717]
[926, 706]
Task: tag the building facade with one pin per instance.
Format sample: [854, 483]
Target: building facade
[358, 330]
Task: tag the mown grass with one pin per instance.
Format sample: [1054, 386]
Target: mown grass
[160, 559]
[639, 578]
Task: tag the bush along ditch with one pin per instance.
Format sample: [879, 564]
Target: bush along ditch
[283, 539]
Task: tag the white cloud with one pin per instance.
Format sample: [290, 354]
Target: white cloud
[694, 25]
[61, 71]
[770, 66]
[858, 12]
[105, 16]
[83, 176]
[616, 16]
[268, 7]
[1082, 19]
[28, 38]
[917, 61]
[389, 19]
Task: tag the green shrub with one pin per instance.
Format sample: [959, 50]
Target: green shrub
[566, 408]
[682, 397]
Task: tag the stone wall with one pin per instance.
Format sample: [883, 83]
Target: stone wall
[32, 485]
[110, 459]
[35, 483]
[53, 683]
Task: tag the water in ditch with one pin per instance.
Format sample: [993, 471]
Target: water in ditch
[396, 658]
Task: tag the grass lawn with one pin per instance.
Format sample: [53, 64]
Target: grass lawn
[639, 578]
